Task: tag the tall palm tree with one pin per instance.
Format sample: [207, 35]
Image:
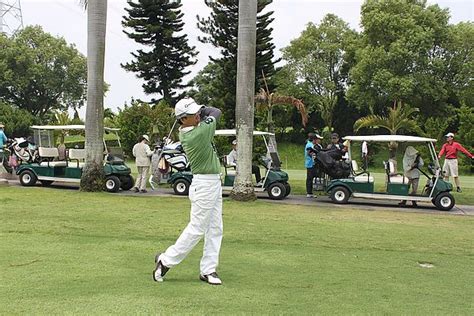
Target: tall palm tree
[268, 101]
[92, 176]
[244, 114]
[399, 118]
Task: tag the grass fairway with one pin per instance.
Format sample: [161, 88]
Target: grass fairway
[67, 252]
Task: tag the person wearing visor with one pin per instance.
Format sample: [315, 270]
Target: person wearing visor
[198, 126]
[312, 148]
[450, 168]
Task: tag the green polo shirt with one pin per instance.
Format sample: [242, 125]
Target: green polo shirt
[197, 143]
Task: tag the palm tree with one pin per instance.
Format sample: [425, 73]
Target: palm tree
[399, 118]
[92, 176]
[267, 101]
[244, 114]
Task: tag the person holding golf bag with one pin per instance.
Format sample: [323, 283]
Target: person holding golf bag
[198, 125]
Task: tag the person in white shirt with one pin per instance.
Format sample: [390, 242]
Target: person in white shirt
[142, 153]
[232, 161]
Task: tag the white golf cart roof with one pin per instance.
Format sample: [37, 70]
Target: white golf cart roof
[68, 127]
[390, 138]
[233, 132]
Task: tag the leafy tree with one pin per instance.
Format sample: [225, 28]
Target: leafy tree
[206, 86]
[315, 64]
[157, 24]
[459, 63]
[41, 73]
[221, 30]
[142, 118]
[402, 56]
[17, 121]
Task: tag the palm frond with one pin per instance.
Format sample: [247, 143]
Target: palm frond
[297, 103]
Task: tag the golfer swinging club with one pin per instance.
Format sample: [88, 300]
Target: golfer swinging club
[198, 125]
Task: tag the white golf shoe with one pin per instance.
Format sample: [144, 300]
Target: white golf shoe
[160, 269]
[212, 278]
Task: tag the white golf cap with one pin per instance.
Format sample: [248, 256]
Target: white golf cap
[146, 137]
[318, 136]
[234, 142]
[185, 107]
[449, 135]
[1, 125]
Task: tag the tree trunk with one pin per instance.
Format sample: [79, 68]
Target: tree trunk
[93, 172]
[246, 51]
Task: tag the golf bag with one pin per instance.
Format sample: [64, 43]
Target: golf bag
[167, 158]
[329, 162]
[23, 150]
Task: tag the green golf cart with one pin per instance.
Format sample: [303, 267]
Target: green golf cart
[360, 183]
[275, 181]
[47, 168]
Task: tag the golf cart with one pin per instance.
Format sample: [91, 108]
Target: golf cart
[360, 184]
[47, 168]
[275, 181]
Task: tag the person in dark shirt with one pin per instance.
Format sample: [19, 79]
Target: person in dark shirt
[335, 142]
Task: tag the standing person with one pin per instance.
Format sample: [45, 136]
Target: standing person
[313, 145]
[198, 125]
[142, 152]
[450, 167]
[3, 140]
[335, 142]
[232, 161]
[411, 162]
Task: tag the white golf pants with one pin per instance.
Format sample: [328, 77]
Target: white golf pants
[205, 194]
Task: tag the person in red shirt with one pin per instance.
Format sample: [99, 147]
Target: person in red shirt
[450, 167]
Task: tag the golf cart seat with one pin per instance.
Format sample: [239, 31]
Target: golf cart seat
[362, 176]
[77, 155]
[392, 176]
[229, 168]
[49, 154]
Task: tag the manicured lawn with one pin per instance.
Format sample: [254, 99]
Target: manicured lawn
[67, 252]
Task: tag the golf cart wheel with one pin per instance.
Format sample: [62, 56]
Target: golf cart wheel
[28, 178]
[46, 183]
[112, 184]
[340, 195]
[126, 182]
[277, 191]
[288, 189]
[181, 187]
[444, 201]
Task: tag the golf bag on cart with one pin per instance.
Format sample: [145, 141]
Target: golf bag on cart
[329, 162]
[167, 158]
[19, 150]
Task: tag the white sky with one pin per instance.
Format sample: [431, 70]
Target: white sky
[68, 19]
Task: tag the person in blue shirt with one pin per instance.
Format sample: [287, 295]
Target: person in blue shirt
[311, 170]
[3, 140]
